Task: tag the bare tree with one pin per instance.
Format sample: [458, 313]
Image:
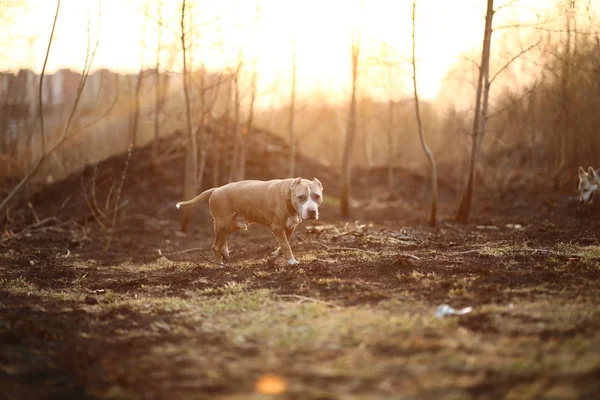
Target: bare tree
[191, 153]
[204, 144]
[40, 101]
[66, 131]
[563, 125]
[351, 131]
[234, 172]
[464, 208]
[390, 140]
[135, 117]
[248, 129]
[292, 135]
[158, 96]
[428, 153]
[249, 123]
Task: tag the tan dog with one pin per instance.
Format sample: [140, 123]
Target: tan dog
[280, 204]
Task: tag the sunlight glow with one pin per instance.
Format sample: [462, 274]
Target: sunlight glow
[127, 38]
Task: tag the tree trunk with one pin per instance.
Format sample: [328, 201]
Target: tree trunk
[235, 162]
[350, 133]
[191, 154]
[40, 97]
[134, 122]
[204, 140]
[563, 127]
[390, 139]
[249, 124]
[426, 149]
[292, 135]
[464, 208]
[157, 87]
[217, 161]
[136, 111]
[226, 138]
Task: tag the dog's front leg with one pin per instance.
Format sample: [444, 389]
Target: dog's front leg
[278, 252]
[281, 235]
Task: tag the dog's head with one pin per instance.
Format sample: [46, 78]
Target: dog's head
[589, 183]
[306, 197]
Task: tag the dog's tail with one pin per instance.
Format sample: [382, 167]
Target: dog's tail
[202, 196]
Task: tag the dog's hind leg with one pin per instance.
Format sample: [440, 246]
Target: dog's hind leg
[237, 223]
[219, 246]
[225, 251]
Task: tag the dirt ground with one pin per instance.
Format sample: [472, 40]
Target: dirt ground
[150, 319]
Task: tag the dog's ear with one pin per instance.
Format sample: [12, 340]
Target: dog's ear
[318, 183]
[582, 173]
[593, 174]
[297, 181]
[591, 171]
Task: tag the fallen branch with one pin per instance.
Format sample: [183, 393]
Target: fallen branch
[181, 251]
[309, 299]
[195, 249]
[328, 248]
[544, 251]
[37, 219]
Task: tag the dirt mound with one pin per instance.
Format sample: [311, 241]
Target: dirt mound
[153, 188]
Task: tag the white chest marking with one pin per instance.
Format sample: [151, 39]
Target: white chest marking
[291, 222]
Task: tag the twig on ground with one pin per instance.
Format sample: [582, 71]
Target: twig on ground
[66, 255]
[40, 223]
[189, 250]
[547, 251]
[411, 256]
[62, 205]
[463, 253]
[447, 225]
[309, 299]
[544, 251]
[96, 212]
[118, 197]
[37, 219]
[180, 251]
[328, 248]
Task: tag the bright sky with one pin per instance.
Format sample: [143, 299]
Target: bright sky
[322, 29]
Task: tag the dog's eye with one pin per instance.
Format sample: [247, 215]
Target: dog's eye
[302, 197]
[316, 197]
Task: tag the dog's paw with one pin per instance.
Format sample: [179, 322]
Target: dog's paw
[276, 253]
[293, 261]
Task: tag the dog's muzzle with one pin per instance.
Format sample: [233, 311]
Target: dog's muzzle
[588, 200]
[312, 214]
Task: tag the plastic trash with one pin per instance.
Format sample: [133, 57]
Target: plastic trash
[445, 310]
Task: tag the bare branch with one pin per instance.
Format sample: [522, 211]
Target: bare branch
[118, 197]
[538, 26]
[513, 59]
[85, 73]
[94, 122]
[393, 50]
[424, 145]
[475, 63]
[376, 61]
[40, 99]
[506, 5]
[513, 103]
